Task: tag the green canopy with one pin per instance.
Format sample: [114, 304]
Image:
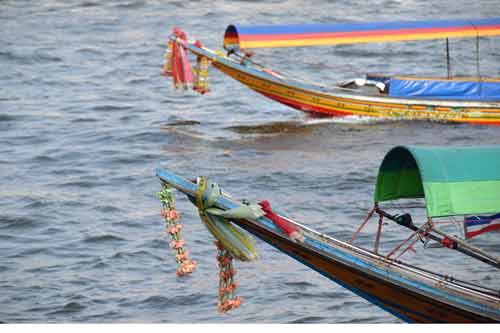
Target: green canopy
[453, 180]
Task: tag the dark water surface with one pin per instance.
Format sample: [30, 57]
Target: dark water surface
[85, 118]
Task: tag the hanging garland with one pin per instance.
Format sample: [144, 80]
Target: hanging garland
[201, 70]
[167, 59]
[227, 286]
[171, 216]
[232, 242]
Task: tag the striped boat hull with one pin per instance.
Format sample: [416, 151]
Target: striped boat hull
[311, 99]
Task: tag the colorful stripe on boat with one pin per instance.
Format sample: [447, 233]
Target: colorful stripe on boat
[270, 36]
[478, 224]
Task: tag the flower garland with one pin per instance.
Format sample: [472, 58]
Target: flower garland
[227, 286]
[171, 216]
[167, 62]
[231, 242]
[201, 83]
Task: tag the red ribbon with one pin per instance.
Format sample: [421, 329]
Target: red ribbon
[449, 243]
[181, 68]
[280, 222]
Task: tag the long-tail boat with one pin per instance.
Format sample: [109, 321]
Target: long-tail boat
[455, 99]
[452, 183]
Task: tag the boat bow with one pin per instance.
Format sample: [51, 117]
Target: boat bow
[410, 293]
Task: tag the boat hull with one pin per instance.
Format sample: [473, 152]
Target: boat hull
[382, 107]
[312, 99]
[405, 304]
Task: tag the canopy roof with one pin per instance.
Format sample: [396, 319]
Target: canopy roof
[245, 37]
[453, 180]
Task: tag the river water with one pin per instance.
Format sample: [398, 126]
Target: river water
[85, 118]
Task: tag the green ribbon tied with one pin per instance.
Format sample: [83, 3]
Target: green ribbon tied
[237, 241]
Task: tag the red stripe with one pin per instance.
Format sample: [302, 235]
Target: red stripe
[337, 113]
[231, 34]
[350, 34]
[483, 230]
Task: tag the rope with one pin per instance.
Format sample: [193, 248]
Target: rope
[368, 217]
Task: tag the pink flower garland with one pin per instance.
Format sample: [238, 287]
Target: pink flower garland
[171, 216]
[227, 286]
[227, 298]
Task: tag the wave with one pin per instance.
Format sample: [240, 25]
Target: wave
[103, 239]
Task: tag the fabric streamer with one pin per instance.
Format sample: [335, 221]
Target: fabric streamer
[289, 229]
[176, 65]
[232, 242]
[177, 62]
[237, 241]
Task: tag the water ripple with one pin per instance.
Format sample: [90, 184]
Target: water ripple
[103, 239]
[17, 222]
[69, 308]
